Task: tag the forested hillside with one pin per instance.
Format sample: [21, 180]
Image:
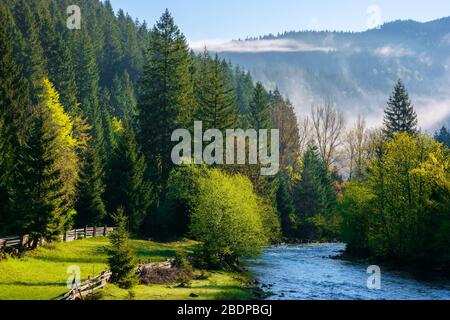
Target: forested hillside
[87, 120]
[355, 69]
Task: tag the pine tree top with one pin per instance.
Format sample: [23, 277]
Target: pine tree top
[399, 116]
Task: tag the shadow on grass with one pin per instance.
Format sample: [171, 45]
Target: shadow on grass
[86, 260]
[33, 284]
[145, 253]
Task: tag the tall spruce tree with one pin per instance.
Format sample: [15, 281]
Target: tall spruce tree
[59, 63]
[127, 186]
[90, 205]
[286, 209]
[314, 193]
[399, 115]
[216, 96]
[14, 101]
[124, 99]
[260, 116]
[166, 97]
[28, 47]
[39, 197]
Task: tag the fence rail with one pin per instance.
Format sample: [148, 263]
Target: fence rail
[79, 292]
[87, 232]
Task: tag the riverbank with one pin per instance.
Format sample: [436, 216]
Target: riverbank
[42, 274]
[415, 269]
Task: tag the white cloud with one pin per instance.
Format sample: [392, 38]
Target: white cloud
[277, 45]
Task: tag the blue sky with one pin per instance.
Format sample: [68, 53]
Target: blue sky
[222, 20]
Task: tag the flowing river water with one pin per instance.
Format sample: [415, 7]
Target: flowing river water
[309, 272]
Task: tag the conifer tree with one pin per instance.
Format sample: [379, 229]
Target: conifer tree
[14, 101]
[121, 259]
[286, 209]
[260, 116]
[90, 206]
[166, 97]
[124, 99]
[127, 186]
[314, 193]
[399, 115]
[285, 120]
[443, 136]
[39, 202]
[28, 47]
[216, 96]
[112, 52]
[59, 62]
[244, 93]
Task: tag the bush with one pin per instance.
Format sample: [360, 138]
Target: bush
[121, 257]
[225, 217]
[354, 208]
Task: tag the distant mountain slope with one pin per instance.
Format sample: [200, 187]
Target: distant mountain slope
[357, 70]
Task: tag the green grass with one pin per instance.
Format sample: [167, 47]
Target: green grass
[42, 274]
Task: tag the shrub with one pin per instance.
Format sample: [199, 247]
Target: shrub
[121, 257]
[225, 217]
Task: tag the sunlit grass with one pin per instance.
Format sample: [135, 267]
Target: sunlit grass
[42, 274]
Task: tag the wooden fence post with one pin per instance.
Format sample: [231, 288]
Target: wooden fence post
[85, 231]
[105, 231]
[94, 232]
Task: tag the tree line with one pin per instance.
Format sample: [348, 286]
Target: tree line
[86, 118]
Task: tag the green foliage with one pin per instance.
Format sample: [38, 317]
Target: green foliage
[443, 136]
[286, 210]
[38, 199]
[401, 211]
[355, 209]
[314, 197]
[259, 115]
[47, 171]
[216, 96]
[173, 217]
[90, 205]
[166, 97]
[284, 119]
[225, 217]
[127, 186]
[270, 220]
[121, 258]
[399, 115]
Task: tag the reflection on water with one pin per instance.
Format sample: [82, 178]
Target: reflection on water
[307, 272]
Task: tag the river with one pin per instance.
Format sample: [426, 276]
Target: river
[308, 272]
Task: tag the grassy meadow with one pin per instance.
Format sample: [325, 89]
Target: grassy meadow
[42, 274]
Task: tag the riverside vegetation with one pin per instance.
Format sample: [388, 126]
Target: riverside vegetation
[85, 131]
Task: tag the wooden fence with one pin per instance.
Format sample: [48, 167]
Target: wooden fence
[79, 292]
[86, 232]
